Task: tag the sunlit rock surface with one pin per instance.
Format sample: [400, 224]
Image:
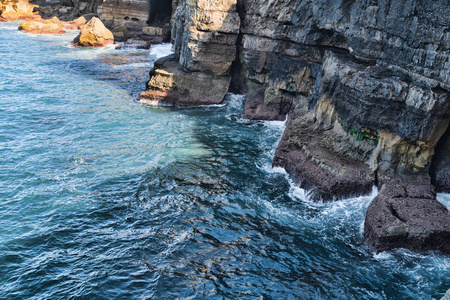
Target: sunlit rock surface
[51, 26]
[204, 34]
[16, 9]
[94, 34]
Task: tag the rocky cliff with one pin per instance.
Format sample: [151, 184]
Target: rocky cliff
[364, 85]
[138, 20]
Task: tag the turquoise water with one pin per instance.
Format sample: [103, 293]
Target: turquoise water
[104, 198]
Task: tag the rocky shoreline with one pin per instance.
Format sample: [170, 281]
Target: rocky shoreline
[365, 87]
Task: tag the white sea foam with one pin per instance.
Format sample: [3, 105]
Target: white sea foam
[161, 50]
[444, 199]
[132, 66]
[382, 256]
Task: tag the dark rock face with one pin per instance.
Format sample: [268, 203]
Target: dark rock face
[128, 19]
[440, 168]
[366, 68]
[365, 85]
[405, 215]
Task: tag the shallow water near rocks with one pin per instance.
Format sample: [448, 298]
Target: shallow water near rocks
[104, 198]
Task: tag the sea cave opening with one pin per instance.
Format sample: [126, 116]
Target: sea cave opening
[160, 12]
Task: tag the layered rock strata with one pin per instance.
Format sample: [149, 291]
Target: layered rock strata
[138, 24]
[365, 85]
[204, 37]
[131, 19]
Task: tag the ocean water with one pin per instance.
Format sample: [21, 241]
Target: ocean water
[104, 198]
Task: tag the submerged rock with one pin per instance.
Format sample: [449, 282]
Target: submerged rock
[407, 215]
[94, 34]
[51, 26]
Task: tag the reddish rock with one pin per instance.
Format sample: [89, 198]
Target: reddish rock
[16, 10]
[75, 24]
[310, 166]
[70, 25]
[51, 26]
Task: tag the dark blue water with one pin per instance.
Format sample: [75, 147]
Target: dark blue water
[104, 198]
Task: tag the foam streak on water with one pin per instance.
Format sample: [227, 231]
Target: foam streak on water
[104, 198]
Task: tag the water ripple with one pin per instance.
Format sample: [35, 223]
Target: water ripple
[103, 198]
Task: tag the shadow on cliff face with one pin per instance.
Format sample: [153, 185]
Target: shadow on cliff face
[160, 12]
[440, 165]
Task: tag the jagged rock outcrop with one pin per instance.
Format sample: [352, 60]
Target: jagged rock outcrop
[204, 37]
[68, 10]
[129, 20]
[135, 16]
[16, 9]
[94, 34]
[365, 85]
[383, 103]
[407, 215]
[75, 24]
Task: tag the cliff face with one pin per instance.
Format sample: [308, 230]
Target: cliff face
[365, 85]
[141, 20]
[369, 79]
[204, 35]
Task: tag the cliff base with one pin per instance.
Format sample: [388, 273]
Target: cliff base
[407, 215]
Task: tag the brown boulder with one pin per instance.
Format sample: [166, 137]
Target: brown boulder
[16, 10]
[80, 21]
[51, 26]
[75, 24]
[70, 25]
[170, 84]
[94, 34]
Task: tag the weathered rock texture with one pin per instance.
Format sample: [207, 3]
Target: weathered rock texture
[75, 24]
[16, 9]
[204, 35]
[125, 18]
[51, 26]
[135, 16]
[68, 10]
[365, 85]
[94, 34]
[407, 215]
